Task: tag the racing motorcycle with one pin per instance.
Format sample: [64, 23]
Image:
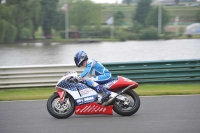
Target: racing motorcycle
[80, 99]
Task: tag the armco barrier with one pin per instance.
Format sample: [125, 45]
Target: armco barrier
[141, 72]
[33, 76]
[158, 71]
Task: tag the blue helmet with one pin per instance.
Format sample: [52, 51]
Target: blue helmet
[79, 57]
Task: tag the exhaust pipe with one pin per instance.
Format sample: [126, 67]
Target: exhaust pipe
[130, 86]
[106, 103]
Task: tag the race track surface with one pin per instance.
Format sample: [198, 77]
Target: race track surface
[160, 114]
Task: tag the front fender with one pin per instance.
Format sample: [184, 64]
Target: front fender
[61, 93]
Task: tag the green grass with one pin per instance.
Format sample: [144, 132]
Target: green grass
[26, 93]
[142, 90]
[168, 89]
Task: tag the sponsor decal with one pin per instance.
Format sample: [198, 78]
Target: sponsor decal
[85, 91]
[79, 101]
[85, 100]
[88, 99]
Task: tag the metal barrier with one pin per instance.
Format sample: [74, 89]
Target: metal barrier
[33, 76]
[158, 71]
[141, 72]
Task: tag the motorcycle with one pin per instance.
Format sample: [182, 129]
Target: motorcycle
[80, 99]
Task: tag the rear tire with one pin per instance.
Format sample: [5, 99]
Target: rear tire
[127, 111]
[60, 110]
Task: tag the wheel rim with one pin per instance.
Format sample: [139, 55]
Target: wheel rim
[124, 107]
[61, 107]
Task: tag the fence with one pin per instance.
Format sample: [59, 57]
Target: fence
[141, 72]
[158, 71]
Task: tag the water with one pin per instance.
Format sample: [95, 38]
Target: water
[57, 53]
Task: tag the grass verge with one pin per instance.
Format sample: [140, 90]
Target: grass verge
[142, 90]
[168, 89]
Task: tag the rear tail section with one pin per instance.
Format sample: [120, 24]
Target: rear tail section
[122, 82]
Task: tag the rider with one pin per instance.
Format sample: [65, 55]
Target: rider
[94, 74]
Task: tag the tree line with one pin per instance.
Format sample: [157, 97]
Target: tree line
[20, 19]
[144, 22]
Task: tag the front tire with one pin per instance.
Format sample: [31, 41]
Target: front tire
[120, 109]
[60, 110]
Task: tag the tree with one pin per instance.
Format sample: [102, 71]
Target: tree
[49, 13]
[176, 2]
[83, 13]
[142, 10]
[136, 27]
[119, 18]
[8, 31]
[18, 19]
[128, 2]
[198, 16]
[24, 16]
[35, 15]
[60, 23]
[152, 18]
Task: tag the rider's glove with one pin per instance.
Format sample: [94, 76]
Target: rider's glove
[83, 81]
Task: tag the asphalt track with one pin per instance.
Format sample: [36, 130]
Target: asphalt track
[161, 114]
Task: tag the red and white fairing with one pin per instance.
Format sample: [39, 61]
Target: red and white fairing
[122, 82]
[93, 108]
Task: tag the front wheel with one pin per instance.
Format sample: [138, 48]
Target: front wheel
[127, 110]
[60, 110]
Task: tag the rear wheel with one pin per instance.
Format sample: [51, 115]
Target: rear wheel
[126, 110]
[60, 110]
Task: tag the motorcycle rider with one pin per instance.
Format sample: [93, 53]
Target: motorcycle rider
[94, 74]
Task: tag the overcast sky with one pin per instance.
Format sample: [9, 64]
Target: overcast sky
[106, 1]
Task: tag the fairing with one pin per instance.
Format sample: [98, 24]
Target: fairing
[122, 82]
[93, 108]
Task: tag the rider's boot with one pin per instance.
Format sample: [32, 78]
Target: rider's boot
[105, 93]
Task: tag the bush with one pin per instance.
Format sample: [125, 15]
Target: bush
[124, 34]
[136, 27]
[121, 34]
[62, 34]
[122, 37]
[149, 33]
[168, 35]
[132, 36]
[25, 33]
[105, 32]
